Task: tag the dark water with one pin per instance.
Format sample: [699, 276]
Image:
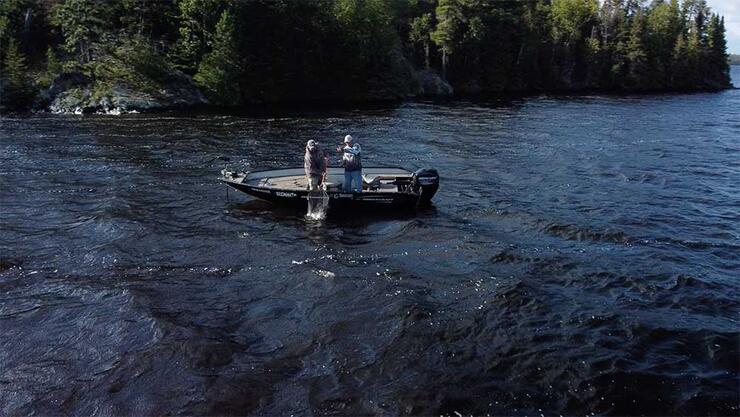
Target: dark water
[582, 257]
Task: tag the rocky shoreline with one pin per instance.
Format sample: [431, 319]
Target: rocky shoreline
[76, 93]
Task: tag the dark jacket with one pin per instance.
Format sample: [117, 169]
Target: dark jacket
[314, 162]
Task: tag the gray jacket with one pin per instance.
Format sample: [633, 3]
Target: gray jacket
[314, 162]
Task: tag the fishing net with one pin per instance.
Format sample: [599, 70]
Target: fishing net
[318, 204]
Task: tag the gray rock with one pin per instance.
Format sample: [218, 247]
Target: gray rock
[76, 94]
[73, 101]
[432, 85]
[397, 82]
[125, 100]
[67, 81]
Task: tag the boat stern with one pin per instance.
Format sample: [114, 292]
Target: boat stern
[427, 182]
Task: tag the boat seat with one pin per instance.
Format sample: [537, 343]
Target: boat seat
[375, 181]
[336, 186]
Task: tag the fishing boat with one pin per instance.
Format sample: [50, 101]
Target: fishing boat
[381, 187]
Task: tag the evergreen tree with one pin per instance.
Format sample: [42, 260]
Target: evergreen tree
[570, 18]
[637, 54]
[421, 31]
[448, 30]
[18, 90]
[718, 60]
[53, 69]
[536, 45]
[366, 25]
[348, 49]
[10, 21]
[663, 26]
[83, 24]
[594, 61]
[198, 19]
[218, 71]
[53, 66]
[614, 30]
[680, 66]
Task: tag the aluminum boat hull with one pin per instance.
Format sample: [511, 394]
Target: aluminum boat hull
[257, 184]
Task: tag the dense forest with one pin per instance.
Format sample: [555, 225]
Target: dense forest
[243, 52]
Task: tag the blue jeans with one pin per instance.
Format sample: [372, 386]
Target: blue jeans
[350, 176]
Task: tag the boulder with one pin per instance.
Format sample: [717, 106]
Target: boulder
[398, 81]
[76, 94]
[432, 85]
[65, 82]
[72, 101]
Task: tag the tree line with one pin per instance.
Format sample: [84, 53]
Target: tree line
[251, 51]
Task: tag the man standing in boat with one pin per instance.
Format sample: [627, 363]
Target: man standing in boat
[352, 163]
[314, 164]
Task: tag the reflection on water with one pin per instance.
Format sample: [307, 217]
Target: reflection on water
[581, 257]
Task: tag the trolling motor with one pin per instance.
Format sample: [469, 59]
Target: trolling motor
[426, 182]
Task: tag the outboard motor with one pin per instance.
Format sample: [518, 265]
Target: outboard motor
[426, 180]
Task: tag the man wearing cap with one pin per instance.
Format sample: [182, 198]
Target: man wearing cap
[314, 164]
[352, 163]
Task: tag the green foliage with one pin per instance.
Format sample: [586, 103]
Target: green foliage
[18, 90]
[450, 25]
[296, 50]
[16, 71]
[717, 61]
[637, 53]
[143, 57]
[681, 74]
[217, 72]
[421, 34]
[84, 24]
[198, 19]
[570, 18]
[53, 69]
[449, 30]
[53, 66]
[10, 21]
[366, 25]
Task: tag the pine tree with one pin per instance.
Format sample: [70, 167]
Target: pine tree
[10, 12]
[197, 21]
[53, 66]
[680, 66]
[717, 51]
[83, 24]
[18, 90]
[218, 71]
[421, 30]
[570, 18]
[449, 26]
[614, 36]
[636, 53]
[663, 26]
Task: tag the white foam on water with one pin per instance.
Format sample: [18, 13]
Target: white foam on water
[324, 273]
[318, 206]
